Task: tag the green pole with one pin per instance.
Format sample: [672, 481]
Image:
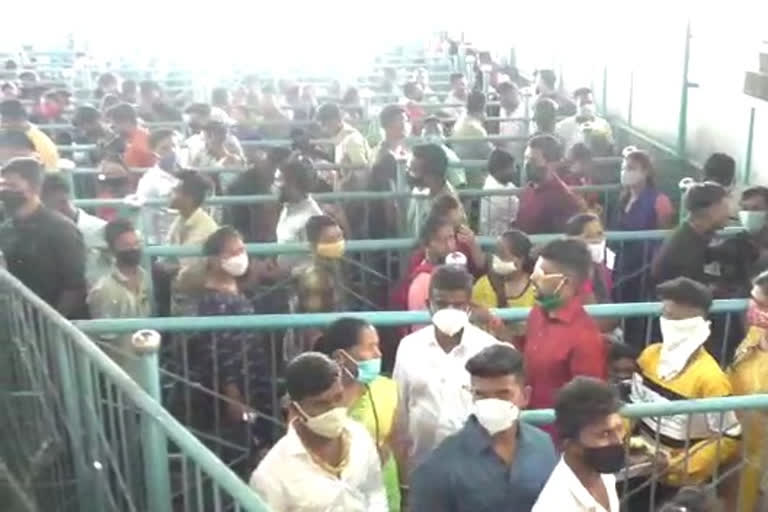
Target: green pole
[146, 345]
[750, 141]
[682, 126]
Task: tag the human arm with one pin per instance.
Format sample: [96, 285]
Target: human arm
[587, 355]
[431, 489]
[466, 236]
[400, 439]
[266, 484]
[68, 246]
[418, 292]
[374, 482]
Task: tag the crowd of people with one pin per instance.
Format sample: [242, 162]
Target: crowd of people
[444, 431]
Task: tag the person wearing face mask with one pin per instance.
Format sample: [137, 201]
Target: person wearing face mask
[158, 182]
[495, 462]
[427, 178]
[562, 340]
[547, 88]
[686, 252]
[432, 131]
[588, 228]
[499, 212]
[681, 368]
[123, 291]
[438, 239]
[569, 129]
[232, 362]
[125, 123]
[429, 370]
[41, 247]
[622, 365]
[198, 116]
[546, 203]
[57, 195]
[370, 397]
[721, 168]
[592, 439]
[326, 461]
[472, 124]
[511, 107]
[508, 281]
[13, 116]
[748, 375]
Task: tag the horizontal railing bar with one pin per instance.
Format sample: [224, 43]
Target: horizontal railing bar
[378, 318]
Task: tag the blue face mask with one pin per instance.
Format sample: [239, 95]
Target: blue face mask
[368, 370]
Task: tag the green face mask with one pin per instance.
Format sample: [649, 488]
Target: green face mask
[549, 302]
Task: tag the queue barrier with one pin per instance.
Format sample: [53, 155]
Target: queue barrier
[79, 433]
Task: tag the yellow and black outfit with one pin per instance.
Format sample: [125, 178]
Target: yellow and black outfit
[714, 438]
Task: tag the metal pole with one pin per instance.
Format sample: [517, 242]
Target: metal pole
[146, 345]
[631, 97]
[682, 127]
[750, 141]
[605, 90]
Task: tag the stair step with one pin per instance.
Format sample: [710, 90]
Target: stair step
[756, 84]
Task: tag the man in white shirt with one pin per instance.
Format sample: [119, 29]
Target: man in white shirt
[457, 96]
[512, 107]
[498, 213]
[198, 116]
[573, 129]
[350, 147]
[430, 370]
[591, 433]
[326, 461]
[472, 125]
[293, 181]
[158, 182]
[57, 195]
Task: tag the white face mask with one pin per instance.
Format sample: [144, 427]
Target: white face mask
[329, 424]
[630, 177]
[236, 266]
[753, 221]
[456, 258]
[496, 415]
[680, 339]
[501, 267]
[597, 251]
[450, 321]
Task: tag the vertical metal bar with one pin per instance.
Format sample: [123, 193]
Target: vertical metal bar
[631, 97]
[90, 416]
[605, 90]
[155, 444]
[747, 174]
[682, 126]
[199, 489]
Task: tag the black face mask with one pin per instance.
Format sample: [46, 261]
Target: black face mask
[129, 257]
[415, 181]
[12, 199]
[605, 459]
[535, 173]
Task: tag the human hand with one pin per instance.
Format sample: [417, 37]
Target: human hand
[465, 235]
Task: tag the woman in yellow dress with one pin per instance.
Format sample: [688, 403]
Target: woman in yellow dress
[508, 282]
[371, 398]
[749, 375]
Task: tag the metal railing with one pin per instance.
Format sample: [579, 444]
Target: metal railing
[79, 433]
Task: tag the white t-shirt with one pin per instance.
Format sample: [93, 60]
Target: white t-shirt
[564, 492]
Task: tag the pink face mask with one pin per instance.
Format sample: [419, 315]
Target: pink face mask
[756, 316]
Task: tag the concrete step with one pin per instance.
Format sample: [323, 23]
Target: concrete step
[756, 84]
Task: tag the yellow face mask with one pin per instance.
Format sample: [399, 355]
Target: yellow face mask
[331, 251]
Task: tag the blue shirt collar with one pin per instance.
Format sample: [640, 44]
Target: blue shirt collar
[477, 440]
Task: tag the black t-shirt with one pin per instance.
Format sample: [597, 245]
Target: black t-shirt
[683, 254]
[45, 251]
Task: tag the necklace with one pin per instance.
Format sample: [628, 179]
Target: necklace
[338, 469]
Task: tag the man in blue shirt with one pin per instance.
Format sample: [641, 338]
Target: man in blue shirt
[495, 462]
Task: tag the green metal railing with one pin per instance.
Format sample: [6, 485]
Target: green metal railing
[80, 434]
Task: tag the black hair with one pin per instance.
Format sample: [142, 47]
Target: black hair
[505, 87]
[28, 169]
[410, 86]
[194, 185]
[214, 244]
[123, 113]
[692, 499]
[434, 158]
[389, 113]
[342, 334]
[28, 75]
[278, 155]
[219, 96]
[129, 87]
[431, 226]
[582, 91]
[704, 195]
[55, 183]
[16, 139]
[575, 225]
[310, 374]
[756, 191]
[500, 159]
[7, 86]
[443, 205]
[580, 152]
[106, 78]
[621, 350]
[86, 114]
[547, 76]
[497, 360]
[316, 224]
[216, 127]
[450, 278]
[550, 147]
[545, 109]
[571, 254]
[12, 110]
[198, 109]
[685, 291]
[476, 102]
[581, 402]
[301, 172]
[328, 112]
[456, 77]
[720, 168]
[159, 135]
[115, 228]
[520, 245]
[351, 96]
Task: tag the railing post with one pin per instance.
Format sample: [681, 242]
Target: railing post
[146, 345]
[747, 175]
[682, 126]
